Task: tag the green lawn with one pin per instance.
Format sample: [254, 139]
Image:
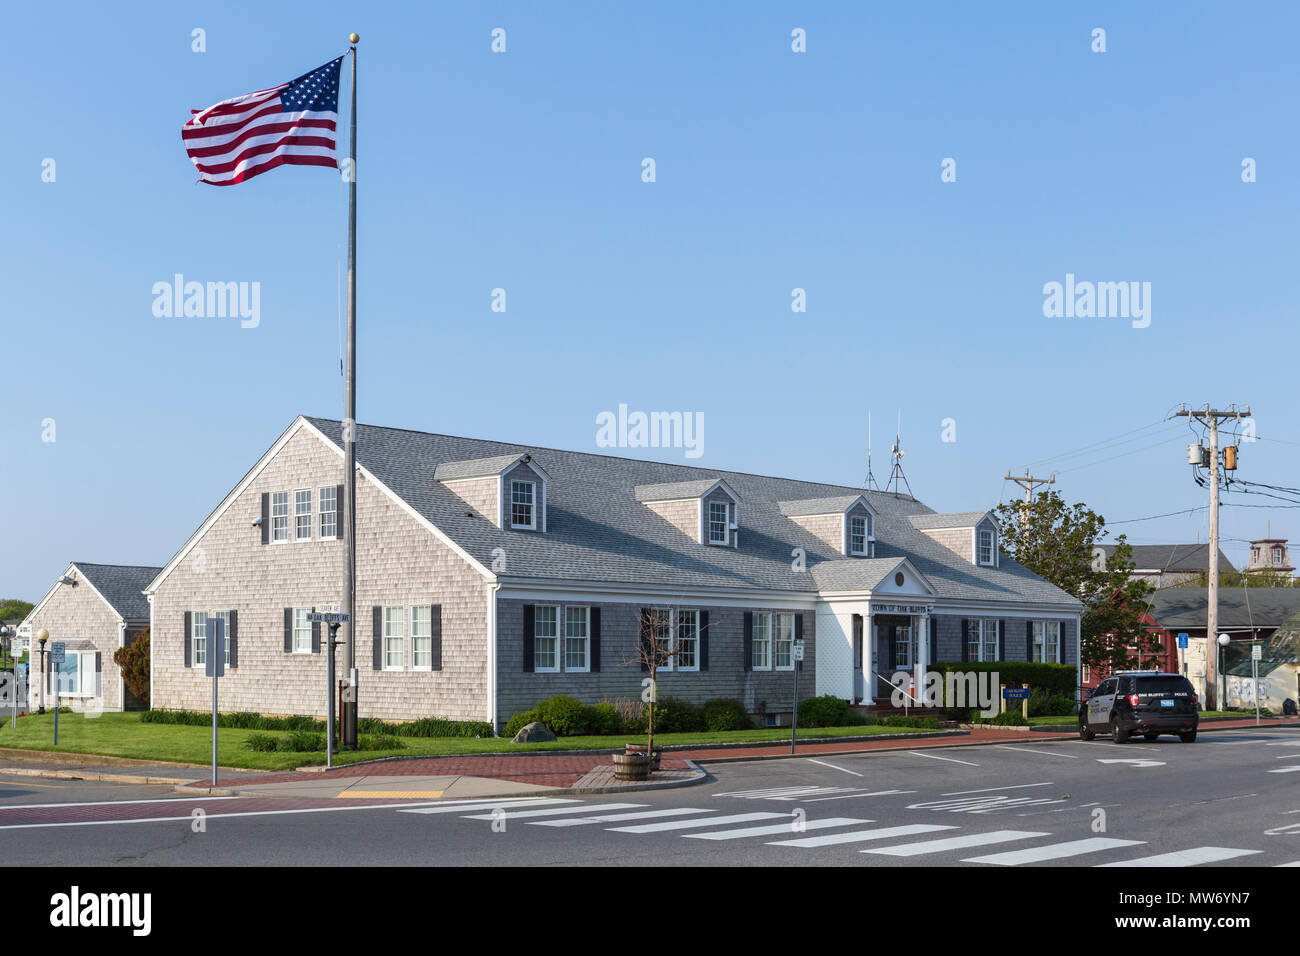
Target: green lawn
[124, 735]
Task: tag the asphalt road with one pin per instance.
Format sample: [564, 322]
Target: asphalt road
[1230, 799]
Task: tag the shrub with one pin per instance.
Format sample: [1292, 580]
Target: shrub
[1045, 703]
[676, 716]
[133, 660]
[1055, 678]
[629, 708]
[262, 743]
[725, 714]
[825, 711]
[603, 719]
[1010, 718]
[518, 721]
[380, 742]
[565, 716]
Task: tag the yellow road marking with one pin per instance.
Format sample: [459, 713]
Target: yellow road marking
[395, 794]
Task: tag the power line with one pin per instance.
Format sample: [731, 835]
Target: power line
[1105, 444]
[1169, 514]
[1135, 451]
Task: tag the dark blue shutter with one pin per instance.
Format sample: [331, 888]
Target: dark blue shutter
[932, 640]
[1060, 657]
[266, 518]
[338, 511]
[644, 640]
[528, 637]
[232, 638]
[185, 640]
[748, 638]
[1002, 640]
[435, 638]
[288, 630]
[377, 637]
[594, 640]
[798, 636]
[704, 640]
[965, 639]
[1029, 640]
[315, 636]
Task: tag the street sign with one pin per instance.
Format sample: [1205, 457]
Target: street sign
[1015, 693]
[1182, 641]
[1257, 652]
[57, 651]
[214, 664]
[798, 650]
[328, 617]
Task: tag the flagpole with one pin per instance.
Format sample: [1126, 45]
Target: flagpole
[349, 430]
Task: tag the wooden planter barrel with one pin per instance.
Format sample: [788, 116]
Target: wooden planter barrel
[631, 767]
[640, 749]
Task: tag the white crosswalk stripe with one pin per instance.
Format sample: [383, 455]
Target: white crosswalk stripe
[955, 843]
[809, 793]
[862, 836]
[616, 817]
[514, 814]
[506, 804]
[1292, 863]
[688, 824]
[1193, 857]
[1053, 851]
[775, 828]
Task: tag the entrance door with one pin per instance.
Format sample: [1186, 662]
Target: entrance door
[884, 659]
[857, 658]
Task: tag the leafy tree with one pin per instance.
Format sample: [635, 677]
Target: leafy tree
[1059, 542]
[134, 662]
[14, 609]
[1240, 579]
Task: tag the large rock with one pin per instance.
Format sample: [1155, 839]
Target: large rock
[534, 733]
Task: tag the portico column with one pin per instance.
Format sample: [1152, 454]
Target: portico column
[922, 655]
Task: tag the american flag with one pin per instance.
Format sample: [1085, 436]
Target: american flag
[290, 124]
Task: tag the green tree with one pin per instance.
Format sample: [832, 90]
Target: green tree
[1240, 579]
[14, 609]
[1059, 542]
[134, 662]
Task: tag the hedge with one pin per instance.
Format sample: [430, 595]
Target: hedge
[245, 720]
[1053, 678]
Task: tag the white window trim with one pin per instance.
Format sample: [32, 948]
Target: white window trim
[288, 517]
[294, 631]
[406, 646]
[754, 665]
[321, 512]
[726, 524]
[586, 640]
[559, 650]
[310, 514]
[412, 637]
[510, 504]
[198, 634]
[867, 539]
[775, 616]
[668, 665]
[674, 661]
[993, 547]
[83, 667]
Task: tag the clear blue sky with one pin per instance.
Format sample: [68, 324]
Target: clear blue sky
[775, 170]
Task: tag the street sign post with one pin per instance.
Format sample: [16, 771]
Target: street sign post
[1182, 641]
[1256, 655]
[333, 618]
[58, 651]
[214, 666]
[797, 656]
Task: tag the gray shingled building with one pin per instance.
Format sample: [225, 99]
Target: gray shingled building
[491, 575]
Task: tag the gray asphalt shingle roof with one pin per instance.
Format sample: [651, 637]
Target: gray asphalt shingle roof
[818, 506]
[1172, 557]
[474, 468]
[597, 530]
[1238, 607]
[122, 586]
[673, 490]
[955, 519]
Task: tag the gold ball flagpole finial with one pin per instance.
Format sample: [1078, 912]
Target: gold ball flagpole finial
[353, 38]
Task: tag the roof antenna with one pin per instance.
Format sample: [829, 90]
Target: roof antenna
[897, 480]
[870, 483]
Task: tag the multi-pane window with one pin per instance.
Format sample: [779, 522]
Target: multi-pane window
[1047, 642]
[718, 522]
[576, 633]
[784, 642]
[199, 635]
[982, 640]
[224, 617]
[75, 677]
[394, 638]
[422, 637]
[302, 630]
[1085, 673]
[903, 646]
[302, 515]
[688, 641]
[985, 547]
[329, 512]
[761, 642]
[522, 511]
[858, 534]
[1277, 555]
[545, 638]
[280, 516]
[661, 620]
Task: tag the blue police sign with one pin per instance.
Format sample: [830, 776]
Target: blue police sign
[1182, 641]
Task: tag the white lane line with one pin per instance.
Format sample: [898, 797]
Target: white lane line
[1292, 863]
[1019, 786]
[1285, 770]
[875, 793]
[688, 824]
[616, 817]
[108, 803]
[1053, 851]
[822, 763]
[1193, 857]
[214, 816]
[1112, 744]
[956, 843]
[775, 828]
[1286, 756]
[917, 753]
[862, 836]
[773, 791]
[516, 814]
[481, 804]
[1045, 753]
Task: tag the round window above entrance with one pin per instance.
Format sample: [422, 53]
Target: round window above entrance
[898, 579]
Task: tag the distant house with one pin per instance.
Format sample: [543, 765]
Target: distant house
[1270, 554]
[92, 609]
[1277, 679]
[1167, 565]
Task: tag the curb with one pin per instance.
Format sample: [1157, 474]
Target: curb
[701, 775]
[78, 775]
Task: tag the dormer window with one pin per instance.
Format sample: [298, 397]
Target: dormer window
[1277, 555]
[984, 553]
[719, 520]
[523, 511]
[860, 535]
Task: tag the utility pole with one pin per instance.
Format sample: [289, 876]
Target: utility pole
[349, 515]
[1028, 483]
[1210, 418]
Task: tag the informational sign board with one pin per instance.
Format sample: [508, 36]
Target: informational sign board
[1015, 693]
[798, 650]
[215, 663]
[329, 617]
[57, 651]
[1182, 641]
[1257, 652]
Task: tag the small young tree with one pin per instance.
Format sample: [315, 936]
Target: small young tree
[656, 646]
[134, 663]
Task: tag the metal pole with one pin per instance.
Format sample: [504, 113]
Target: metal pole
[350, 424]
[1254, 676]
[329, 693]
[56, 715]
[794, 718]
[214, 726]
[1212, 610]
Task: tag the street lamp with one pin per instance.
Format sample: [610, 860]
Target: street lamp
[1224, 641]
[42, 636]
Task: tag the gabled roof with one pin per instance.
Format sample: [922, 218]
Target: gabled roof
[820, 506]
[955, 519]
[1171, 557]
[857, 574]
[598, 530]
[119, 585]
[1238, 607]
[675, 490]
[474, 467]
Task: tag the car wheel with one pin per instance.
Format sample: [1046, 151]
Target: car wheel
[1116, 734]
[1188, 738]
[1084, 732]
[1150, 736]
